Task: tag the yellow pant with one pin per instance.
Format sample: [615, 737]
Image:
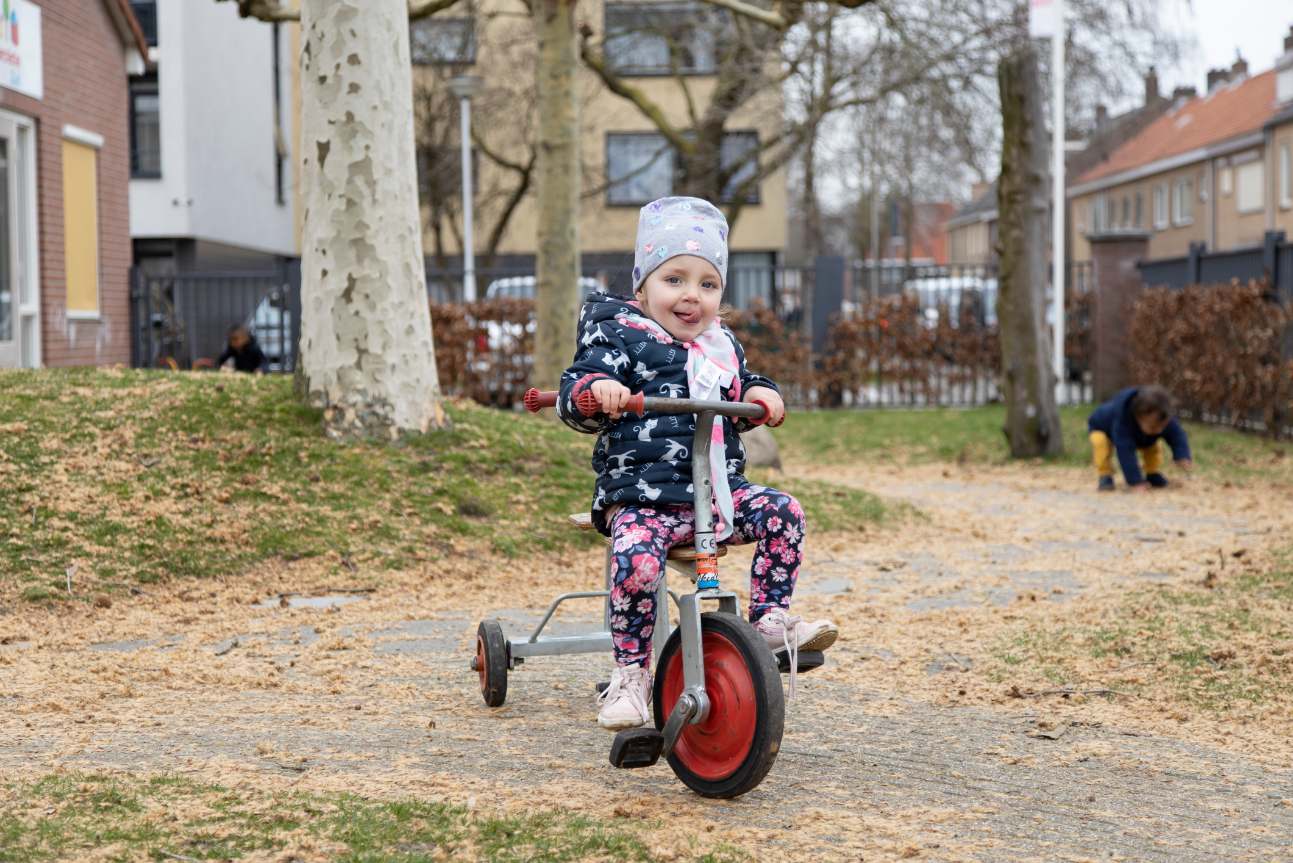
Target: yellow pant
[1102, 451]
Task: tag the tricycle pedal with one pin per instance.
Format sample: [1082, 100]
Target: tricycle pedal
[808, 660]
[636, 747]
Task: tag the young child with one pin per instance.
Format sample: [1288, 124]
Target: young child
[658, 344]
[1136, 420]
[243, 350]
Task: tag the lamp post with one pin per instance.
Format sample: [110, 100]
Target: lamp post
[463, 87]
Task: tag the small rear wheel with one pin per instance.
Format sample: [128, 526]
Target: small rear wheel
[491, 662]
[734, 748]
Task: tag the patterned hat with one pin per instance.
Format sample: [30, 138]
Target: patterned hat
[677, 226]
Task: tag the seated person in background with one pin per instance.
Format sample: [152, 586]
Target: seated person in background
[243, 350]
[1137, 420]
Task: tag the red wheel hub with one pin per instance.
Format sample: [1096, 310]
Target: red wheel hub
[717, 747]
[480, 663]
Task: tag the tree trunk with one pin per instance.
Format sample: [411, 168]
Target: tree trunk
[812, 228]
[1028, 382]
[366, 338]
[556, 292]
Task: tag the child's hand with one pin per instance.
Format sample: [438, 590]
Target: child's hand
[776, 408]
[611, 397]
[1140, 487]
[1187, 463]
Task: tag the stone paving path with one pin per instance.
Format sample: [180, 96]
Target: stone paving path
[861, 775]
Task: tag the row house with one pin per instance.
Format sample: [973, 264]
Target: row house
[65, 250]
[1215, 170]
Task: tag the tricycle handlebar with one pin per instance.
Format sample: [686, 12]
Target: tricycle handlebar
[756, 411]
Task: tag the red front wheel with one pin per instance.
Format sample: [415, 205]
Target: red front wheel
[734, 748]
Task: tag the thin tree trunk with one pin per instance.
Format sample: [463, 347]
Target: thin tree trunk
[1028, 382]
[557, 294]
[365, 325]
[812, 229]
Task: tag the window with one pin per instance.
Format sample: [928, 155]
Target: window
[1250, 180]
[1140, 211]
[146, 15]
[656, 38]
[145, 128]
[80, 224]
[639, 169]
[1183, 201]
[1126, 212]
[1286, 175]
[735, 147]
[1203, 186]
[440, 41]
[1081, 217]
[1227, 182]
[1113, 214]
[1160, 207]
[1097, 213]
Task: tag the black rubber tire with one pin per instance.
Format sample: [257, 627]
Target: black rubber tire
[491, 662]
[770, 706]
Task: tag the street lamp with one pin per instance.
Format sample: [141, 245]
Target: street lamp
[463, 87]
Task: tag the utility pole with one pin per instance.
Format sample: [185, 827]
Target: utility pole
[463, 87]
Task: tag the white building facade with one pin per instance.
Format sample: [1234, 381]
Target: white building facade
[212, 183]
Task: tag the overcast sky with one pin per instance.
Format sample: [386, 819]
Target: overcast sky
[1255, 27]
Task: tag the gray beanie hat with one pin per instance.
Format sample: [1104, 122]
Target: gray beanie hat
[677, 226]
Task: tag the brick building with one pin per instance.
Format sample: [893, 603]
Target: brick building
[65, 250]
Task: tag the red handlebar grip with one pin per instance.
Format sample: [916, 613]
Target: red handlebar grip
[767, 413]
[636, 405]
[536, 401]
[586, 402]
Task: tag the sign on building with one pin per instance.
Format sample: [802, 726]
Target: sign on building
[20, 48]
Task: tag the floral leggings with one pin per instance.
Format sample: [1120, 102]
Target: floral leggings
[643, 535]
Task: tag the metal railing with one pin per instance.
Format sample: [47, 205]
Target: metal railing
[180, 319]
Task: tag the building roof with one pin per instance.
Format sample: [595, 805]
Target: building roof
[1230, 112]
[128, 29]
[981, 209]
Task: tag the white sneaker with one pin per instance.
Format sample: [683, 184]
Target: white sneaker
[625, 703]
[781, 632]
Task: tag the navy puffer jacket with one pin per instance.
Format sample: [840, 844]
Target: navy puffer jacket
[641, 459]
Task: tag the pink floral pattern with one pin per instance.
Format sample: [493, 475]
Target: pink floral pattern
[641, 536]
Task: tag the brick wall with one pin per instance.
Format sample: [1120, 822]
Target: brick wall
[85, 85]
[1115, 283]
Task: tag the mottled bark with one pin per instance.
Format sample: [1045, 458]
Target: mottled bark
[366, 341]
[557, 295]
[1028, 381]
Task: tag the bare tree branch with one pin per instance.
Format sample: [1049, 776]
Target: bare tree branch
[651, 110]
[269, 10]
[424, 8]
[764, 16]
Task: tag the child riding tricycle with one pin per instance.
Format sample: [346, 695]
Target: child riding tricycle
[669, 471]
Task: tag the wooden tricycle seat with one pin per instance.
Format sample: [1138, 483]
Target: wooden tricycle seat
[584, 521]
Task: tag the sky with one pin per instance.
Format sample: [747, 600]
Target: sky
[1256, 27]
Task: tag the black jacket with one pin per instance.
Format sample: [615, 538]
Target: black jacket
[251, 358]
[1114, 419]
[640, 459]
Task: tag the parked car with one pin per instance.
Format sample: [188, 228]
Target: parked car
[523, 286]
[271, 324]
[978, 295]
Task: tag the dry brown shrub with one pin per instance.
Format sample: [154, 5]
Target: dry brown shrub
[484, 350]
[1223, 351]
[772, 349]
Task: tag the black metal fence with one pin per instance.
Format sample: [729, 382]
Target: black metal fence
[180, 320]
[1272, 260]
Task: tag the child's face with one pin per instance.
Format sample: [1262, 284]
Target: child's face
[238, 339]
[1152, 425]
[682, 295]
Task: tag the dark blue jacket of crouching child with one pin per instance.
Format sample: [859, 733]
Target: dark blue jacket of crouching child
[1114, 418]
[641, 459]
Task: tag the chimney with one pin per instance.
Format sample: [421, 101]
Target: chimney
[1238, 69]
[1288, 41]
[977, 190]
[1217, 77]
[1151, 87]
[1101, 116]
[1183, 93]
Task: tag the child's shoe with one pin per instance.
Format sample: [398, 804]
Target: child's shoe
[1106, 483]
[783, 632]
[625, 703]
[1157, 480]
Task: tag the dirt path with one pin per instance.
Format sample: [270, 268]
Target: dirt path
[904, 746]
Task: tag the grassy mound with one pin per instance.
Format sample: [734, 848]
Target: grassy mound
[139, 475]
